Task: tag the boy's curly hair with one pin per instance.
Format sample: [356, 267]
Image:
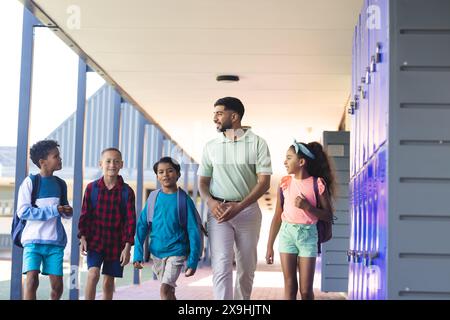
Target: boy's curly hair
[41, 149]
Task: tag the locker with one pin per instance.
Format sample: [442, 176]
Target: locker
[357, 115]
[352, 108]
[350, 252]
[383, 49]
[382, 216]
[334, 268]
[371, 74]
[364, 78]
[400, 128]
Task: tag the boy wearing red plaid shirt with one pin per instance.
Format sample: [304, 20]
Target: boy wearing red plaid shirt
[107, 228]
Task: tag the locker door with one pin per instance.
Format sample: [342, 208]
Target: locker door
[335, 267]
[372, 94]
[383, 72]
[363, 85]
[357, 128]
[381, 231]
[352, 109]
[351, 273]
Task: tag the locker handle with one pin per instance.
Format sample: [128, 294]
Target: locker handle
[367, 78]
[373, 254]
[369, 256]
[373, 64]
[363, 94]
[351, 109]
[358, 256]
[350, 255]
[356, 97]
[365, 259]
[378, 53]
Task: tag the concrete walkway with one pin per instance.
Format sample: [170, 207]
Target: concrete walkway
[268, 283]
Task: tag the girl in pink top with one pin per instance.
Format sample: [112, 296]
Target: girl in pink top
[296, 216]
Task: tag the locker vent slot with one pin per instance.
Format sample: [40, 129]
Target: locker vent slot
[425, 294]
[424, 255]
[426, 68]
[427, 218]
[424, 142]
[425, 31]
[425, 180]
[440, 106]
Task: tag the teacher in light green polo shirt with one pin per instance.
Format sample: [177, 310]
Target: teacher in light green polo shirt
[234, 173]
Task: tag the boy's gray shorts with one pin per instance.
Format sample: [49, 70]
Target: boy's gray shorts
[168, 269]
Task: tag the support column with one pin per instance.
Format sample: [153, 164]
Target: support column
[23, 128]
[159, 151]
[117, 112]
[195, 183]
[185, 167]
[78, 180]
[139, 180]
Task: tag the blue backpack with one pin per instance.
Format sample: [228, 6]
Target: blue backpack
[182, 214]
[19, 224]
[123, 198]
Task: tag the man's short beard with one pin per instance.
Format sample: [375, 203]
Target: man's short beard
[224, 127]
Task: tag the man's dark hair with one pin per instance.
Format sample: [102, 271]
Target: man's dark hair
[169, 160]
[112, 149]
[231, 103]
[41, 149]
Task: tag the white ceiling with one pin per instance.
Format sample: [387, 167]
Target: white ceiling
[293, 58]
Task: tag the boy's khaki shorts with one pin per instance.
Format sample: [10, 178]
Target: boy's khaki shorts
[168, 269]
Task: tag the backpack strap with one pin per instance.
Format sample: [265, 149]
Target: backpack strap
[182, 205]
[123, 196]
[94, 193]
[124, 199]
[282, 197]
[36, 183]
[316, 192]
[18, 224]
[182, 215]
[182, 208]
[63, 187]
[151, 205]
[284, 183]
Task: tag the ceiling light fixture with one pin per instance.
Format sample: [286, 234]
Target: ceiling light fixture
[227, 78]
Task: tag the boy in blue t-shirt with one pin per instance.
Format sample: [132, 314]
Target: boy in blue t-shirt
[169, 242]
[44, 237]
